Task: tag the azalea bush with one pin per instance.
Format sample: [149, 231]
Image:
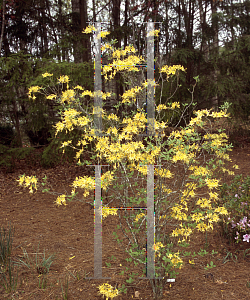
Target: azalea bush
[236, 198]
[188, 166]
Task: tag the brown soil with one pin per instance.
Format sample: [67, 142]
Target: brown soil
[68, 232]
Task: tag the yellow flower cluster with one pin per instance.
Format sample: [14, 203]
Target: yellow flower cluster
[71, 117]
[108, 291]
[157, 247]
[64, 144]
[84, 183]
[118, 65]
[171, 70]
[106, 46]
[64, 79]
[106, 179]
[112, 117]
[149, 82]
[177, 212]
[78, 87]
[103, 34]
[199, 170]
[88, 93]
[212, 183]
[33, 89]
[204, 203]
[175, 259]
[89, 29]
[61, 200]
[108, 211]
[68, 96]
[153, 33]
[47, 75]
[28, 181]
[204, 227]
[164, 173]
[131, 94]
[139, 216]
[197, 217]
[185, 232]
[51, 97]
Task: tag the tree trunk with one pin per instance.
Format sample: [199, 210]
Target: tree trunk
[86, 55]
[215, 51]
[116, 21]
[81, 42]
[15, 120]
[125, 25]
[2, 29]
[75, 30]
[94, 13]
[117, 35]
[204, 45]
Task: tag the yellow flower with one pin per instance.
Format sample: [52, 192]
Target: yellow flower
[108, 211]
[174, 105]
[21, 179]
[171, 70]
[212, 183]
[67, 95]
[87, 93]
[221, 210]
[161, 107]
[61, 200]
[64, 79]
[108, 291]
[33, 89]
[203, 203]
[164, 173]
[158, 245]
[51, 97]
[103, 34]
[201, 226]
[89, 29]
[154, 32]
[139, 216]
[64, 144]
[213, 195]
[46, 75]
[78, 87]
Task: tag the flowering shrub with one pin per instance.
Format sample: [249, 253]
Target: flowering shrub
[181, 174]
[236, 198]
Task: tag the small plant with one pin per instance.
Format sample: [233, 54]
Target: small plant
[42, 281]
[5, 245]
[213, 252]
[42, 267]
[212, 265]
[245, 253]
[9, 281]
[65, 294]
[203, 252]
[235, 197]
[228, 256]
[122, 289]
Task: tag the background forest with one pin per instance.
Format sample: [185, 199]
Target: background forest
[211, 39]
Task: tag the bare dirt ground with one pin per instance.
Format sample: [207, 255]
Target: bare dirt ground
[69, 233]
